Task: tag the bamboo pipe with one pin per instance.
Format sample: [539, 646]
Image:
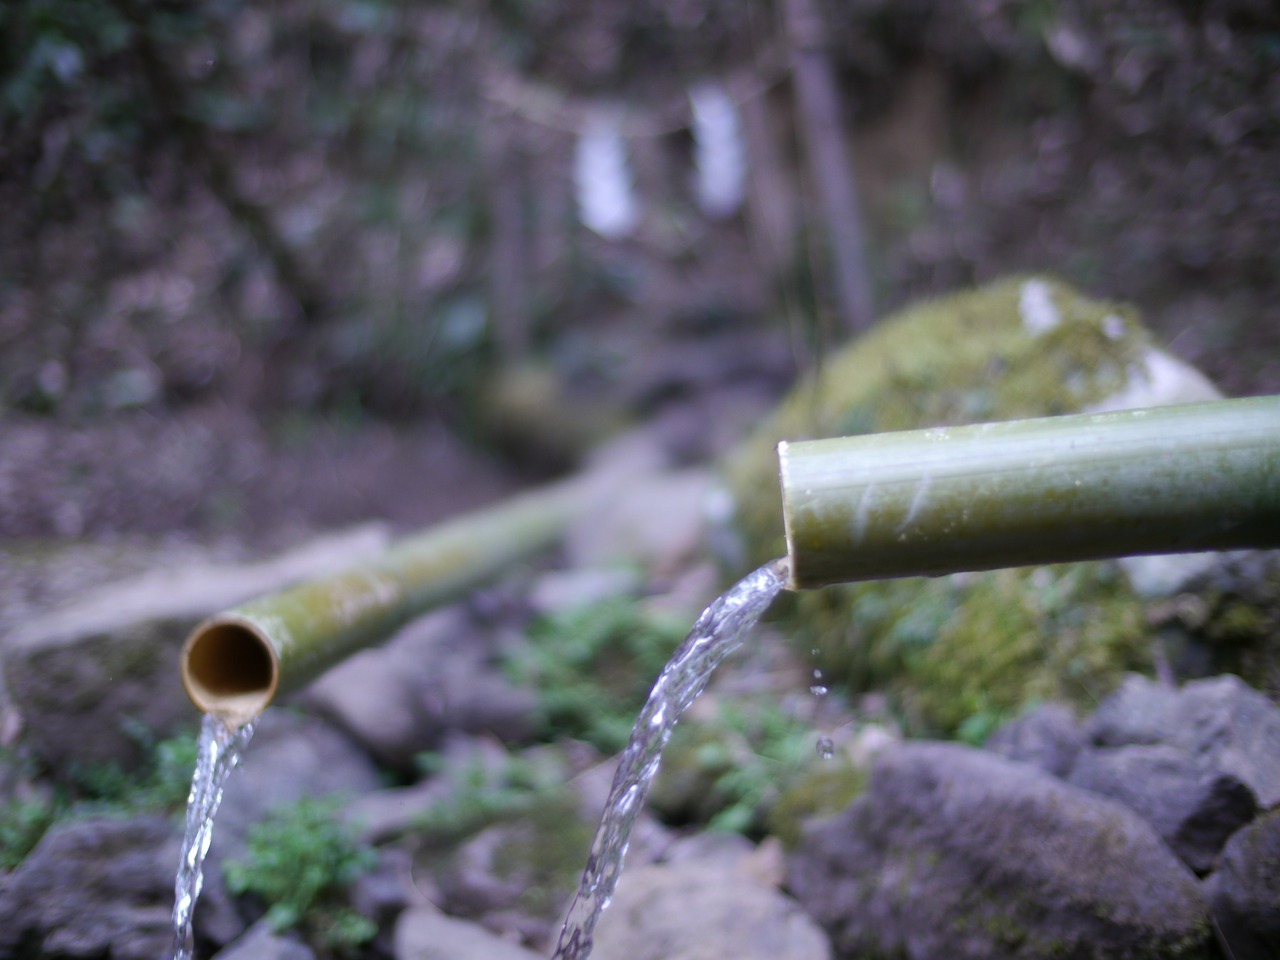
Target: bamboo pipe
[236, 662]
[1052, 490]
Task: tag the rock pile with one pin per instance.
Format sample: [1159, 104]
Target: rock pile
[1064, 839]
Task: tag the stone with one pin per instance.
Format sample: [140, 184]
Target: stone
[435, 677]
[260, 942]
[704, 911]
[962, 654]
[1236, 728]
[1139, 711]
[85, 678]
[558, 591]
[655, 520]
[1230, 725]
[1047, 736]
[384, 814]
[974, 356]
[99, 888]
[959, 854]
[1244, 892]
[427, 934]
[388, 890]
[518, 874]
[1193, 805]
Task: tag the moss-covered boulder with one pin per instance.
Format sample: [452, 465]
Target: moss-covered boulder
[959, 654]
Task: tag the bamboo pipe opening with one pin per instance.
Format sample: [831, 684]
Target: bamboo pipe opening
[230, 668]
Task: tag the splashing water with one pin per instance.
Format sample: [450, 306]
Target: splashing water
[218, 753]
[719, 631]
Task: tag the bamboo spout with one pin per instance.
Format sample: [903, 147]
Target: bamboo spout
[235, 663]
[1051, 490]
[230, 667]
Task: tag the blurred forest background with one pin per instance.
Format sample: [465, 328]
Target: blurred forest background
[269, 267]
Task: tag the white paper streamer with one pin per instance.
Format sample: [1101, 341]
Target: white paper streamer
[602, 177]
[719, 151]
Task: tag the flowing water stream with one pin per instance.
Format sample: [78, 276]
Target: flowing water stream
[719, 631]
[219, 751]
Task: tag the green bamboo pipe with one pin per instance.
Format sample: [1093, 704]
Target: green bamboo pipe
[236, 662]
[1052, 490]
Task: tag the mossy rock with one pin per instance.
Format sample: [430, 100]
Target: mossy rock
[960, 654]
[823, 790]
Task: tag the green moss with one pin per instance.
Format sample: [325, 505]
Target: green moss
[22, 823]
[1049, 633]
[962, 653]
[824, 789]
[545, 852]
[543, 838]
[1237, 622]
[729, 769]
[593, 667]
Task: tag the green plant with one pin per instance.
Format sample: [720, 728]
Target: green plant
[103, 788]
[593, 667]
[22, 824]
[484, 793]
[162, 784]
[729, 769]
[300, 861]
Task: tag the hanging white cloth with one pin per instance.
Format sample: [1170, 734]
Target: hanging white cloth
[719, 151]
[602, 177]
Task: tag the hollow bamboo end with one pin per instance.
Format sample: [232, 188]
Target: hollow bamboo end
[230, 669]
[783, 471]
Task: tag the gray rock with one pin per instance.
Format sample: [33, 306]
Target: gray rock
[955, 853]
[1223, 720]
[708, 847]
[426, 934]
[698, 911]
[1236, 728]
[260, 942]
[435, 677]
[1139, 711]
[1193, 805]
[385, 814]
[656, 520]
[1244, 892]
[386, 891]
[98, 888]
[518, 875]
[1048, 737]
[561, 590]
[290, 757]
[83, 696]
[83, 678]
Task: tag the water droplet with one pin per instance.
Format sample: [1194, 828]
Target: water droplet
[819, 690]
[826, 748]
